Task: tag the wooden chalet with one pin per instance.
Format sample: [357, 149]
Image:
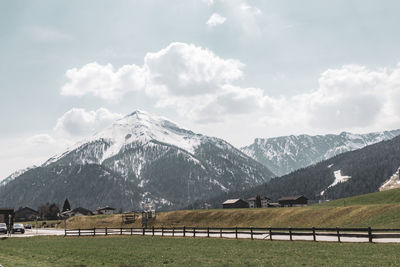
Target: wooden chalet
[235, 204]
[293, 201]
[26, 214]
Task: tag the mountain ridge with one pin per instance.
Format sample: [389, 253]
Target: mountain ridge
[285, 154]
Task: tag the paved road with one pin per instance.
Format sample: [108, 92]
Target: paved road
[34, 232]
[60, 232]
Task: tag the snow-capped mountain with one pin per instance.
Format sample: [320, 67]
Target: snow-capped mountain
[366, 170]
[285, 154]
[139, 159]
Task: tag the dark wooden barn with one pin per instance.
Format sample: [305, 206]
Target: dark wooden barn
[26, 214]
[293, 201]
[235, 204]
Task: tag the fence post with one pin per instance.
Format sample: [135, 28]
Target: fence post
[106, 231]
[370, 234]
[220, 232]
[65, 232]
[313, 233]
[236, 234]
[270, 234]
[120, 231]
[208, 231]
[194, 231]
[162, 230]
[94, 231]
[173, 231]
[79, 232]
[131, 231]
[290, 233]
[152, 230]
[251, 232]
[144, 231]
[338, 234]
[184, 231]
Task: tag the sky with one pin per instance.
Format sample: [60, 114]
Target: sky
[236, 69]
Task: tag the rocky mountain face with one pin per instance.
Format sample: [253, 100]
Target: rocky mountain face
[139, 160]
[285, 154]
[351, 173]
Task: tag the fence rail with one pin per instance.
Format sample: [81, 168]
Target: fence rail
[368, 234]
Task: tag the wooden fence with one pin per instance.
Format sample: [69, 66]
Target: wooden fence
[239, 232]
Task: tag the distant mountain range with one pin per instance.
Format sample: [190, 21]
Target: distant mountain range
[285, 154]
[139, 160]
[351, 173]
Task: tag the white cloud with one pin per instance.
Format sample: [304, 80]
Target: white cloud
[352, 98]
[185, 69]
[103, 81]
[200, 86]
[78, 123]
[215, 19]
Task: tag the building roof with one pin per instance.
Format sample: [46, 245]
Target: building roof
[291, 198]
[105, 208]
[232, 201]
[27, 209]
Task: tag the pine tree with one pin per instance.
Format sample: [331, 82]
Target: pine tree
[66, 205]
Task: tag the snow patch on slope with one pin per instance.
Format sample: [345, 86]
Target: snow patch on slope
[339, 178]
[392, 182]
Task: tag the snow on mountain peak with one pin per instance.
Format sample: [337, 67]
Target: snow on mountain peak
[143, 127]
[138, 127]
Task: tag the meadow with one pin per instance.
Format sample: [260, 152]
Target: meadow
[156, 251]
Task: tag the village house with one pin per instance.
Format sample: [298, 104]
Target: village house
[105, 210]
[293, 201]
[26, 214]
[262, 203]
[235, 203]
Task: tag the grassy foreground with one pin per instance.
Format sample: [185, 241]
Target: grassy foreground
[157, 251]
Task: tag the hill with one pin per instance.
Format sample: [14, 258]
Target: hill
[378, 216]
[386, 197]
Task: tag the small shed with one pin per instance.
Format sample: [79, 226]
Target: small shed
[26, 214]
[105, 210]
[235, 204]
[293, 201]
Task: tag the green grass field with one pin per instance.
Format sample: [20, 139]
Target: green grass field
[157, 251]
[385, 197]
